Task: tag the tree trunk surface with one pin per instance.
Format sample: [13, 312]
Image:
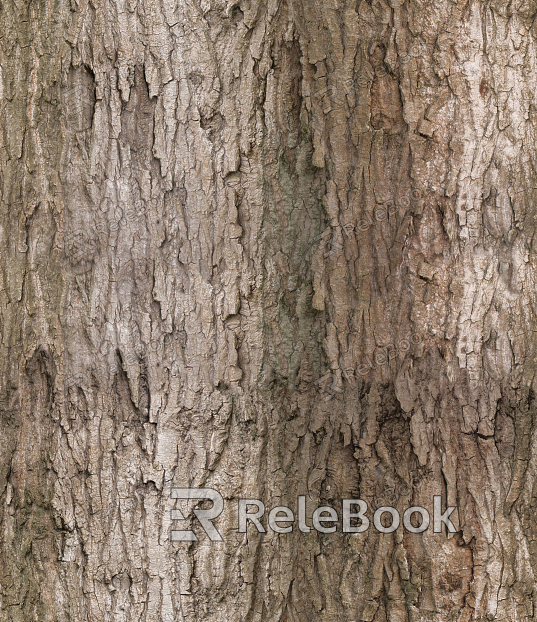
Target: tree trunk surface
[274, 249]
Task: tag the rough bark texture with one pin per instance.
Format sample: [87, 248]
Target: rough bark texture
[273, 248]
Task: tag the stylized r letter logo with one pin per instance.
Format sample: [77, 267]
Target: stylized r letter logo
[205, 517]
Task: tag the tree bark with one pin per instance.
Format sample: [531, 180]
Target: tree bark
[274, 249]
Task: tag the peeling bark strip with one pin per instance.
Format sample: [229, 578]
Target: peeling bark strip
[196, 286]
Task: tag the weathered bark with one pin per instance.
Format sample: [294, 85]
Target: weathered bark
[275, 249]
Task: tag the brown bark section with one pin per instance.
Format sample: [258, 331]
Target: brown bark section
[276, 249]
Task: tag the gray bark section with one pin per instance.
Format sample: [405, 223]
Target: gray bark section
[273, 249]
